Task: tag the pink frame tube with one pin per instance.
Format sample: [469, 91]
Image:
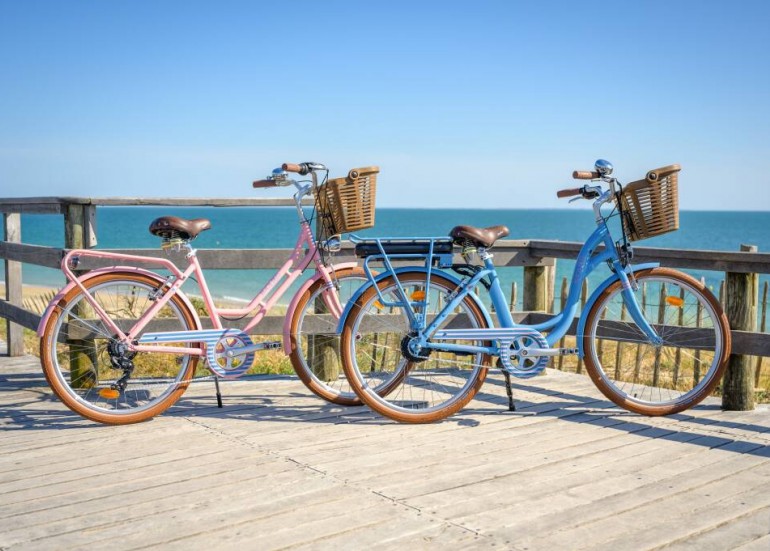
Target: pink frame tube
[265, 299]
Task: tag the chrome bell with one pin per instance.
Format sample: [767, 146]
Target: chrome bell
[604, 168]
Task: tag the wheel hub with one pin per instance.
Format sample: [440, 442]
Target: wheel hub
[412, 351]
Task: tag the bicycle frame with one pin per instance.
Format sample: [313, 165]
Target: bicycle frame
[597, 249]
[305, 253]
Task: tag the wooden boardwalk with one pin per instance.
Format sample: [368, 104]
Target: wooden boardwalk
[277, 468]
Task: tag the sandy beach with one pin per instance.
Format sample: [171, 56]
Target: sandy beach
[36, 297]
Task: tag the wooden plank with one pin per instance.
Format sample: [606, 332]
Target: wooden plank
[721, 261]
[18, 315]
[58, 204]
[39, 255]
[565, 468]
[196, 201]
[743, 342]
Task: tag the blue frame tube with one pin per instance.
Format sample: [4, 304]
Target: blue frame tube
[587, 261]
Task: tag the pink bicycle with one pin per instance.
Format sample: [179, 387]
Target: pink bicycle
[121, 344]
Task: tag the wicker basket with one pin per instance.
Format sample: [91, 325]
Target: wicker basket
[347, 204]
[651, 206]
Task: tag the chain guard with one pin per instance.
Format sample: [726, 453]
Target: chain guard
[514, 358]
[229, 367]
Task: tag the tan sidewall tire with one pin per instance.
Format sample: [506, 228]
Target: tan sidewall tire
[300, 368]
[347, 360]
[595, 372]
[58, 387]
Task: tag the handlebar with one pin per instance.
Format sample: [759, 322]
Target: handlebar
[568, 192]
[279, 177]
[585, 175]
[587, 192]
[291, 167]
[302, 168]
[264, 183]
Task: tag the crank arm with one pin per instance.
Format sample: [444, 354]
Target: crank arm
[546, 352]
[242, 351]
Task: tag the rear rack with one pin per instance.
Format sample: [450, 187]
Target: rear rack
[376, 247]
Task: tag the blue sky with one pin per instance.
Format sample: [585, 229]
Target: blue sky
[480, 104]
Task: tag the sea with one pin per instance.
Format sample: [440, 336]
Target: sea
[276, 227]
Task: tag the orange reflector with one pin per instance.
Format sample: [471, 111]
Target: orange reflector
[674, 301]
[378, 305]
[109, 393]
[418, 295]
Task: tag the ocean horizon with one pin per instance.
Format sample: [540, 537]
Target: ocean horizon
[276, 227]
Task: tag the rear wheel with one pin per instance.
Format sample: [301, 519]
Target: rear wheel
[657, 379]
[423, 386]
[79, 352]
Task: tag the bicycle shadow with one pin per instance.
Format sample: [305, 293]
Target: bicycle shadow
[37, 409]
[590, 410]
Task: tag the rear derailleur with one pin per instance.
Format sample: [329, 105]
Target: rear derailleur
[121, 358]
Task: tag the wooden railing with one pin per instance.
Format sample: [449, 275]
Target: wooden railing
[536, 257]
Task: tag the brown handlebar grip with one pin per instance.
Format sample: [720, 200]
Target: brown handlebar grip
[264, 183]
[585, 175]
[568, 192]
[291, 167]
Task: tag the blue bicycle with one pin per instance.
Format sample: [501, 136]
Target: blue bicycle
[654, 340]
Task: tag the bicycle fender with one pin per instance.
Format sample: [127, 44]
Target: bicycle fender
[403, 269]
[99, 271]
[295, 299]
[598, 291]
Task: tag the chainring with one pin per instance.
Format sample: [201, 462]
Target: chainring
[230, 366]
[514, 357]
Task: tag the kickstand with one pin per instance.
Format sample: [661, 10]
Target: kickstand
[509, 391]
[219, 394]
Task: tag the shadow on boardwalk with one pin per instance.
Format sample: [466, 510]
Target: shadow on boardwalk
[40, 409]
[277, 468]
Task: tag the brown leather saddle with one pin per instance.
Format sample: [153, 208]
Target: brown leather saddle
[172, 226]
[480, 237]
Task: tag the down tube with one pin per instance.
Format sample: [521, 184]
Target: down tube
[586, 262]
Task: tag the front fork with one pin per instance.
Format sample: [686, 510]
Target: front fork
[632, 305]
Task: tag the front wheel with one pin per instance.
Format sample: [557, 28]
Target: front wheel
[93, 373]
[655, 379]
[314, 342]
[422, 386]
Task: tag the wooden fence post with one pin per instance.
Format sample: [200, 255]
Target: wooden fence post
[514, 296]
[13, 284]
[741, 296]
[538, 288]
[79, 234]
[323, 355]
[562, 305]
[762, 329]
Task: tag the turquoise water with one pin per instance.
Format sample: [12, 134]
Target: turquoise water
[254, 227]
